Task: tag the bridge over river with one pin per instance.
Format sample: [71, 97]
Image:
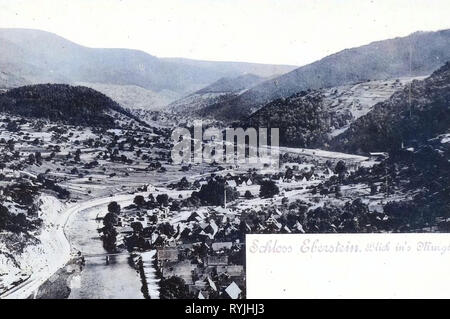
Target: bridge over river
[105, 275]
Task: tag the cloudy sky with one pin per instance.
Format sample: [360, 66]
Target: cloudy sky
[267, 31]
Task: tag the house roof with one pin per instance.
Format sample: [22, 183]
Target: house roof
[233, 290]
[231, 183]
[221, 245]
[212, 284]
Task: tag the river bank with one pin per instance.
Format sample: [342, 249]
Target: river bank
[52, 251]
[104, 275]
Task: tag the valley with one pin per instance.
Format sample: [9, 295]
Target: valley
[92, 204]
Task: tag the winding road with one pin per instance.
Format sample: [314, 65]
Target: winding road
[30, 286]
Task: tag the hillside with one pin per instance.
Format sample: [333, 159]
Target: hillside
[310, 118]
[233, 85]
[233, 69]
[133, 96]
[376, 61]
[41, 57]
[413, 126]
[410, 117]
[302, 119]
[222, 90]
[62, 103]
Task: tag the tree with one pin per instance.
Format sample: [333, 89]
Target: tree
[77, 155]
[340, 168]
[289, 173]
[38, 157]
[139, 201]
[109, 238]
[338, 191]
[31, 159]
[248, 194]
[113, 207]
[12, 127]
[110, 220]
[196, 184]
[175, 205]
[166, 229]
[213, 192]
[4, 217]
[163, 199]
[174, 288]
[373, 189]
[268, 189]
[183, 184]
[137, 227]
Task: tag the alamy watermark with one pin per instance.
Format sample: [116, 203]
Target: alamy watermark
[230, 146]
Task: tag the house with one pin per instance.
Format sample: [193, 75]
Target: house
[182, 269]
[217, 260]
[299, 227]
[231, 270]
[212, 284]
[195, 217]
[186, 233]
[233, 291]
[231, 183]
[127, 230]
[273, 224]
[167, 254]
[200, 284]
[203, 225]
[210, 230]
[222, 245]
[221, 211]
[286, 230]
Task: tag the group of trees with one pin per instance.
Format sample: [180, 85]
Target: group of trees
[23, 194]
[109, 231]
[16, 223]
[268, 189]
[161, 200]
[174, 288]
[213, 193]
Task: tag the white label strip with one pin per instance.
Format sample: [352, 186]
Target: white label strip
[348, 266]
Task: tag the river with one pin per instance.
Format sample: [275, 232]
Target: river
[112, 279]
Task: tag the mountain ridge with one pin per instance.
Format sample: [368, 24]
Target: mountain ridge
[226, 88]
[375, 61]
[44, 57]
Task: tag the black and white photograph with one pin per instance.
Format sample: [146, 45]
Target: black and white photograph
[142, 143]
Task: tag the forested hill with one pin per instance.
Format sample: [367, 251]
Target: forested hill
[418, 54]
[410, 117]
[311, 118]
[76, 105]
[303, 119]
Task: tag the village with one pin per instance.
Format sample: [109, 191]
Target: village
[186, 225]
[197, 226]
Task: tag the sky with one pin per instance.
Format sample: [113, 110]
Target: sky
[293, 32]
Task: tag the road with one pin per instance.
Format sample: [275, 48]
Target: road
[40, 276]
